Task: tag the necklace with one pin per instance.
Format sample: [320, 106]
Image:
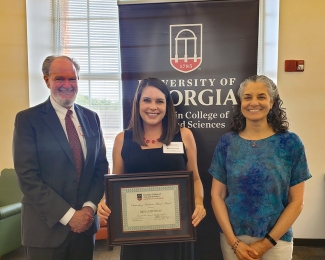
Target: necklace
[253, 143]
[147, 141]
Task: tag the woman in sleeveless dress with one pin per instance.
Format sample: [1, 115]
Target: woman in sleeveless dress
[140, 148]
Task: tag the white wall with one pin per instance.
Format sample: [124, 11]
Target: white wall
[39, 37]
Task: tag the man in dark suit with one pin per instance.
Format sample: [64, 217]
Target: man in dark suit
[60, 160]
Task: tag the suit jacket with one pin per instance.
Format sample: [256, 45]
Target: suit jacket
[47, 175]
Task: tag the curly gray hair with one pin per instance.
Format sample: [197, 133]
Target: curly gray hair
[271, 87]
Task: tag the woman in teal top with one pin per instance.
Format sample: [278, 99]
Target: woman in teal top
[258, 173]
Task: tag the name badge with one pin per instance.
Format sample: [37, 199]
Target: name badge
[174, 147]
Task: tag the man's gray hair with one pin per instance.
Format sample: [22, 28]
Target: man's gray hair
[49, 59]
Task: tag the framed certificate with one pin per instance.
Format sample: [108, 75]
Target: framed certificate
[154, 207]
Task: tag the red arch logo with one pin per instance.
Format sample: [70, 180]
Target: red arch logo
[186, 47]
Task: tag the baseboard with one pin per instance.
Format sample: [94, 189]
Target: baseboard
[308, 242]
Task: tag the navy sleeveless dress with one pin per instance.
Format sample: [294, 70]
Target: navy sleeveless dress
[154, 160]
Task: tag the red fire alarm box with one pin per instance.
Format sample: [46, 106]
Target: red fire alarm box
[294, 65]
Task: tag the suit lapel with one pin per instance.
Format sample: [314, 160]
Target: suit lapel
[88, 133]
[51, 119]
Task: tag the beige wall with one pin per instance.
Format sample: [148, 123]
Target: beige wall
[302, 36]
[13, 72]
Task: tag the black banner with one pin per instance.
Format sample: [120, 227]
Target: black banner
[202, 51]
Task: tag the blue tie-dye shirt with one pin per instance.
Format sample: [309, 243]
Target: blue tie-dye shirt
[258, 176]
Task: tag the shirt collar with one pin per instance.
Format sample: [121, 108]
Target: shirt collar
[60, 110]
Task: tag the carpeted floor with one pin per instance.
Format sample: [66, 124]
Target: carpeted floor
[308, 253]
[101, 253]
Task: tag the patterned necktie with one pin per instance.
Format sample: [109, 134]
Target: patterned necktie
[74, 143]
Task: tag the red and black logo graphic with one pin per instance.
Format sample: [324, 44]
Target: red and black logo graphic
[185, 47]
[139, 197]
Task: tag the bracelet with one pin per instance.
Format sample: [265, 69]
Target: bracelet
[267, 236]
[235, 245]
